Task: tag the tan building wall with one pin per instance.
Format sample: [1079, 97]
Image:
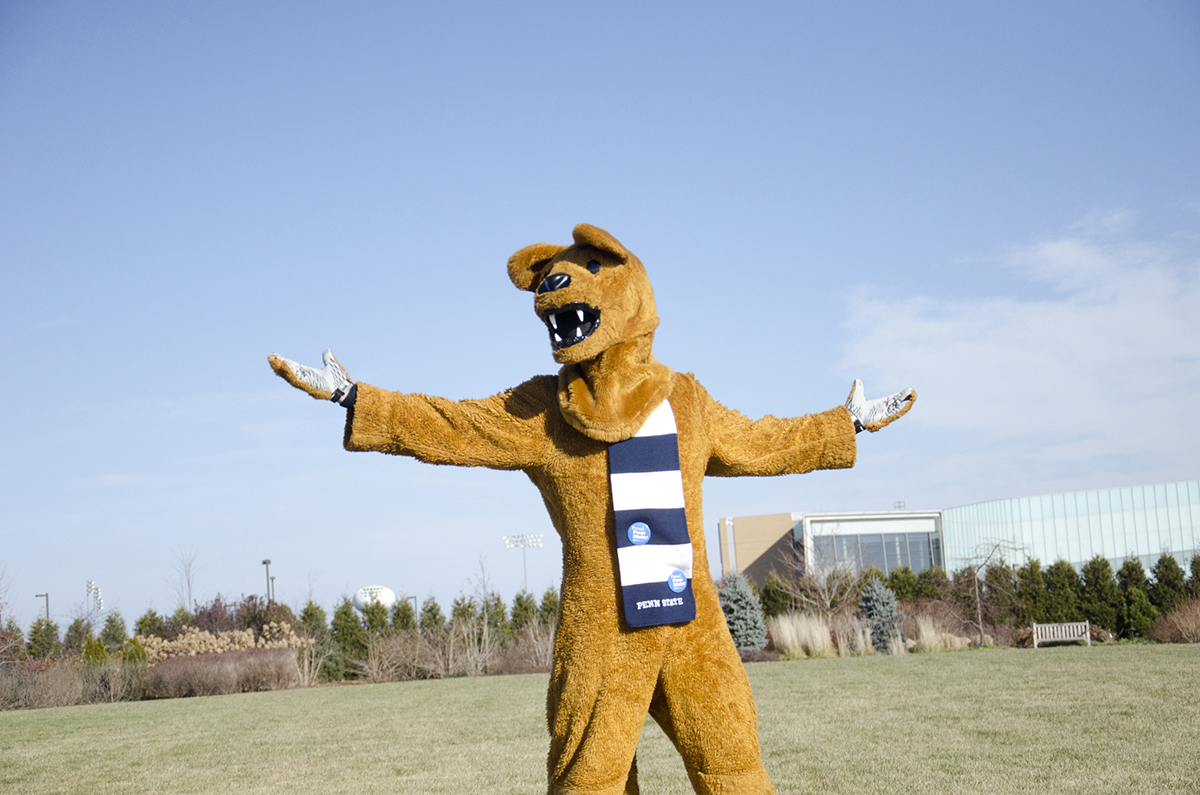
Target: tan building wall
[751, 544]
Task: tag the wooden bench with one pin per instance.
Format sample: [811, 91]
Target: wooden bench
[1074, 630]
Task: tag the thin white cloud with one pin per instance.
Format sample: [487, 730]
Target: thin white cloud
[1093, 383]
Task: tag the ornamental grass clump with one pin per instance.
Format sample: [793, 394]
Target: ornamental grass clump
[800, 635]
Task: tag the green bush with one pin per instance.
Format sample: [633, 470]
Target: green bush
[150, 624]
[933, 584]
[774, 596]
[904, 584]
[879, 605]
[743, 613]
[1030, 602]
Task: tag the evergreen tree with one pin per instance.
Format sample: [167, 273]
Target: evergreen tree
[150, 625]
[933, 584]
[1193, 583]
[524, 610]
[432, 618]
[463, 609]
[1137, 614]
[347, 631]
[548, 609]
[1062, 593]
[1100, 598]
[904, 584]
[43, 640]
[375, 617]
[1000, 588]
[1031, 594]
[775, 598]
[1170, 584]
[12, 641]
[312, 619]
[879, 605]
[404, 616]
[113, 635]
[743, 613]
[79, 632]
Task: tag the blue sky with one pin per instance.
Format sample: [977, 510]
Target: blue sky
[997, 204]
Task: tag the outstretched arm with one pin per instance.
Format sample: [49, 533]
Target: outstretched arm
[505, 431]
[773, 445]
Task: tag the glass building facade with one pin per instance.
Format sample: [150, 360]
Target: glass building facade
[1140, 522]
[886, 541]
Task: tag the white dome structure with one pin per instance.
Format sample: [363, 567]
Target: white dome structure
[374, 593]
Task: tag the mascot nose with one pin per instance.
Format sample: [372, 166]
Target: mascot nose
[555, 281]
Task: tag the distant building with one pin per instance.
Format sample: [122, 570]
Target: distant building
[1140, 522]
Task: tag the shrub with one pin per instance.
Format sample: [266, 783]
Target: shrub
[904, 584]
[375, 617]
[150, 623]
[1181, 625]
[774, 597]
[218, 616]
[1062, 593]
[193, 642]
[743, 613]
[215, 674]
[879, 605]
[851, 636]
[799, 635]
[932, 583]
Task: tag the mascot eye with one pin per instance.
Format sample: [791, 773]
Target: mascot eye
[594, 266]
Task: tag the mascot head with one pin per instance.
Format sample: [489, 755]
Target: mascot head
[591, 295]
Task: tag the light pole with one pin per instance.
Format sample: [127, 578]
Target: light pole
[524, 542]
[97, 602]
[272, 588]
[47, 595]
[267, 563]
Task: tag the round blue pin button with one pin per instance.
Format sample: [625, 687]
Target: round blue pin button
[677, 582]
[639, 533]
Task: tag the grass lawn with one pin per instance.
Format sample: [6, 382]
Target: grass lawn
[1110, 719]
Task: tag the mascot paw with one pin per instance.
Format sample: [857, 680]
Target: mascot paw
[328, 383]
[872, 415]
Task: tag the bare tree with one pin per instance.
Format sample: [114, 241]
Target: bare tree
[986, 556]
[184, 581]
[824, 587]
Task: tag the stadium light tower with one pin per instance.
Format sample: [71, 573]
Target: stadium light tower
[524, 542]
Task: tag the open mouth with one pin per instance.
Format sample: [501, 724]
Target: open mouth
[571, 324]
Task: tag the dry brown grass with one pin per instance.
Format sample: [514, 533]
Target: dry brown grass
[1181, 625]
[244, 671]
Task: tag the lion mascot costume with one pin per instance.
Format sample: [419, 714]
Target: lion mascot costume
[618, 444]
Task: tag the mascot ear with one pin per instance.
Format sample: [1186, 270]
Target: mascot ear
[526, 266]
[588, 235]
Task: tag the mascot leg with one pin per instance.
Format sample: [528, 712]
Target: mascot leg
[595, 717]
[714, 728]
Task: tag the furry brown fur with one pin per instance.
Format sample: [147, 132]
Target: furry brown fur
[607, 677]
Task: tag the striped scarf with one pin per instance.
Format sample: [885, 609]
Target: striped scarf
[654, 550]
